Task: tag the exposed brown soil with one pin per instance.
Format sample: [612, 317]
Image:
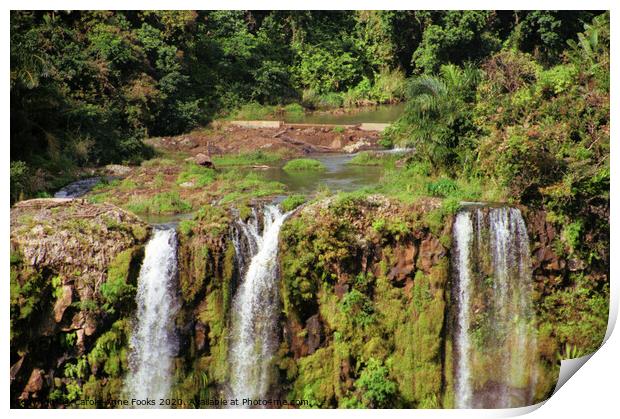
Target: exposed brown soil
[288, 140]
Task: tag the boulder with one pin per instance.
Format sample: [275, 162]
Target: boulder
[576, 265]
[314, 335]
[34, 385]
[357, 146]
[188, 184]
[431, 251]
[405, 263]
[203, 160]
[186, 142]
[200, 337]
[63, 302]
[117, 170]
[336, 143]
[16, 367]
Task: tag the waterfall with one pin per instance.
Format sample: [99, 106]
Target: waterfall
[462, 237]
[493, 335]
[245, 238]
[255, 306]
[153, 342]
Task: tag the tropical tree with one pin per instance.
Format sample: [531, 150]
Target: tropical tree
[439, 115]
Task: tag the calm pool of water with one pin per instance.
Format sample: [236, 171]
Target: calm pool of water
[338, 176]
[379, 114]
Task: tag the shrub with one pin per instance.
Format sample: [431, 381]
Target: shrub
[294, 109]
[441, 187]
[557, 79]
[327, 69]
[292, 201]
[199, 175]
[358, 308]
[330, 100]
[247, 159]
[371, 158]
[19, 179]
[162, 203]
[310, 98]
[390, 228]
[386, 141]
[377, 389]
[389, 86]
[116, 290]
[366, 158]
[252, 111]
[185, 227]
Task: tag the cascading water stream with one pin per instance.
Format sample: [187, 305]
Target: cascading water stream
[255, 307]
[153, 341]
[494, 338]
[463, 230]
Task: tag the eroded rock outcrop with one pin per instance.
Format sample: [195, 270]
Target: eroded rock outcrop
[207, 278]
[363, 284]
[73, 272]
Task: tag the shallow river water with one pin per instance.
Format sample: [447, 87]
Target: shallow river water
[373, 114]
[338, 175]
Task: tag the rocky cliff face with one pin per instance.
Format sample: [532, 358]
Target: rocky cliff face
[365, 292]
[571, 296]
[73, 271]
[208, 274]
[366, 304]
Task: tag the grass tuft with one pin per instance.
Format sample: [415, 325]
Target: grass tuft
[299, 165]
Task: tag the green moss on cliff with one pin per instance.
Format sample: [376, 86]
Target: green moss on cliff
[26, 291]
[206, 273]
[99, 374]
[292, 201]
[69, 295]
[110, 351]
[119, 289]
[383, 342]
[577, 315]
[317, 379]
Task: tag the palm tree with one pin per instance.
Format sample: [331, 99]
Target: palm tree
[438, 111]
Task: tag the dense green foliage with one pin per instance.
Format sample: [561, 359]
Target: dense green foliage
[383, 337]
[292, 201]
[533, 126]
[87, 87]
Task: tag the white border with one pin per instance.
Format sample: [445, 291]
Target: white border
[591, 394]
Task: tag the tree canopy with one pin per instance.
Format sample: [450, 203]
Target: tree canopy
[88, 86]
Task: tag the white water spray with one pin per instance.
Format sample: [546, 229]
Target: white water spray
[153, 341]
[255, 310]
[493, 288]
[463, 230]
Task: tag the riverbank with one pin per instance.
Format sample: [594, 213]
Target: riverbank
[287, 140]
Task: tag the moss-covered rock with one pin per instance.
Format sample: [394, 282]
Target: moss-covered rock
[366, 316]
[375, 276]
[207, 278]
[571, 296]
[74, 268]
